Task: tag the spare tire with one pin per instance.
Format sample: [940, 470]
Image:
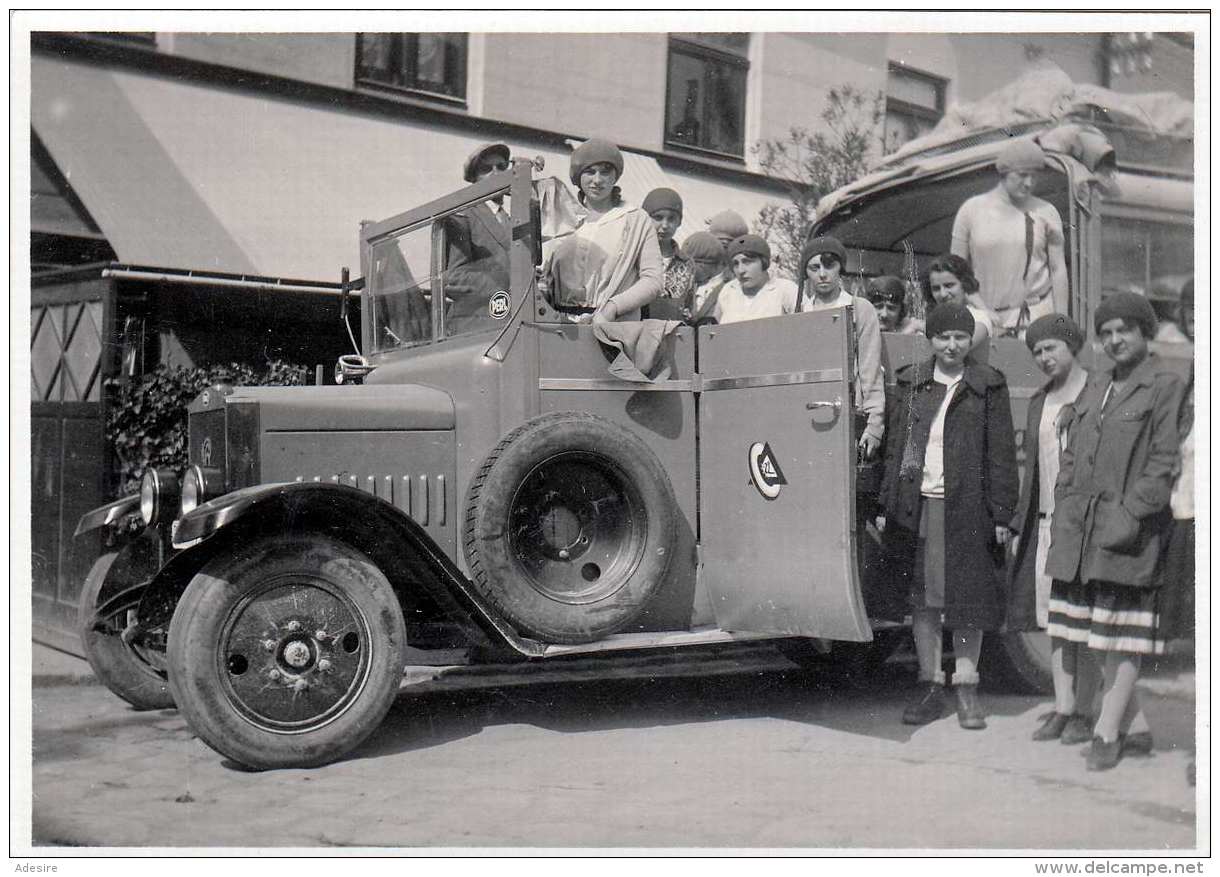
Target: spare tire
[569, 527]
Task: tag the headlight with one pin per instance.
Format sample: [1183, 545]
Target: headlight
[158, 494]
[198, 487]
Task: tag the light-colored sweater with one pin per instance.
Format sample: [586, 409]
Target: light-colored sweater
[614, 255]
[870, 386]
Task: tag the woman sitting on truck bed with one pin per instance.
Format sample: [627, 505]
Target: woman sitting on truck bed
[610, 267]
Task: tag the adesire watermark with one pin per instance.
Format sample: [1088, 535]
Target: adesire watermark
[1108, 867]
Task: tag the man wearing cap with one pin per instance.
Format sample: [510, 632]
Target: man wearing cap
[753, 293]
[479, 240]
[1014, 242]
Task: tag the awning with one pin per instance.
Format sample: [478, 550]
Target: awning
[191, 176]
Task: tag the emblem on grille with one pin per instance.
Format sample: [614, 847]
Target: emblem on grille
[205, 451]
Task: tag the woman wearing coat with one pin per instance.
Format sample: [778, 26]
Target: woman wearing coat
[1112, 514]
[949, 492]
[1055, 340]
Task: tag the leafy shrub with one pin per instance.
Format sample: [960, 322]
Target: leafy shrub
[814, 164]
[146, 421]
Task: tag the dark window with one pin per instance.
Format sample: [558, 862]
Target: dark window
[914, 103]
[433, 64]
[706, 97]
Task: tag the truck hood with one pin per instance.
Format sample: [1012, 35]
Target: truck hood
[379, 407]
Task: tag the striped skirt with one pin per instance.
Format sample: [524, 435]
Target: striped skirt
[1106, 617]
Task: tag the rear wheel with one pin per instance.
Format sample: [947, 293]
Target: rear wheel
[133, 671]
[1018, 661]
[288, 654]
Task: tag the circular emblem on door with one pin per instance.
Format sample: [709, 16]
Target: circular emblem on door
[205, 451]
[499, 305]
[765, 471]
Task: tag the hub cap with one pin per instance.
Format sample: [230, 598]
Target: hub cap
[577, 528]
[294, 654]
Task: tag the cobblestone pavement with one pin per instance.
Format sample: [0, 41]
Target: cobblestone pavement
[761, 756]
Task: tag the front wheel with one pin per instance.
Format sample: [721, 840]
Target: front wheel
[133, 671]
[288, 653]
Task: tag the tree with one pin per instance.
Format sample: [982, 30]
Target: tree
[815, 163]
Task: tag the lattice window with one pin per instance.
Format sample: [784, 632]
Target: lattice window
[66, 352]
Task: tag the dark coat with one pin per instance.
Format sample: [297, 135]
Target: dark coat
[980, 484]
[1115, 477]
[476, 268]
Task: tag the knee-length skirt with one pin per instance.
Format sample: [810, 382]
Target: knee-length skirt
[1106, 616]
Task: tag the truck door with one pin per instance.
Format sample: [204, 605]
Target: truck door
[776, 469]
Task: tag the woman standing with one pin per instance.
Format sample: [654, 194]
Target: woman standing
[949, 492]
[610, 267]
[664, 207]
[1055, 341]
[949, 278]
[1112, 513]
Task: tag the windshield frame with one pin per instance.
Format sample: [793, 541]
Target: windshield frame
[514, 182]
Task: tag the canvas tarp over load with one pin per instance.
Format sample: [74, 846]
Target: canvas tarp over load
[1046, 94]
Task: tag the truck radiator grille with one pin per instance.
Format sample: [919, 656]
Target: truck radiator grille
[422, 497]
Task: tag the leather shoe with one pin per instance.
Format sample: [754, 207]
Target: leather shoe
[1079, 729]
[969, 713]
[1052, 727]
[1138, 743]
[928, 706]
[1103, 755]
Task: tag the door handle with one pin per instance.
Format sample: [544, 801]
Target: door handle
[835, 405]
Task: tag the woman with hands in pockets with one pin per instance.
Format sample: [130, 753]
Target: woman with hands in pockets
[1111, 517]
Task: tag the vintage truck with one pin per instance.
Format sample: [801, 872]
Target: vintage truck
[487, 491]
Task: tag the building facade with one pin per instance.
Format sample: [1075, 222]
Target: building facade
[261, 153]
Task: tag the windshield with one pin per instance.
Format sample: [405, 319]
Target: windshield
[401, 284]
[448, 276]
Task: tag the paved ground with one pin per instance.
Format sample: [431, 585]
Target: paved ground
[758, 756]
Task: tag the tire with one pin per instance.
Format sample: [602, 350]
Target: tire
[287, 653]
[1019, 662]
[569, 527]
[134, 673]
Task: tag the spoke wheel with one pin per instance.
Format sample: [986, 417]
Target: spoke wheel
[294, 654]
[287, 653]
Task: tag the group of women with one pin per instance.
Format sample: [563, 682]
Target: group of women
[1102, 452]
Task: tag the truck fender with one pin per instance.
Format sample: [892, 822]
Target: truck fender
[399, 546]
[108, 514]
